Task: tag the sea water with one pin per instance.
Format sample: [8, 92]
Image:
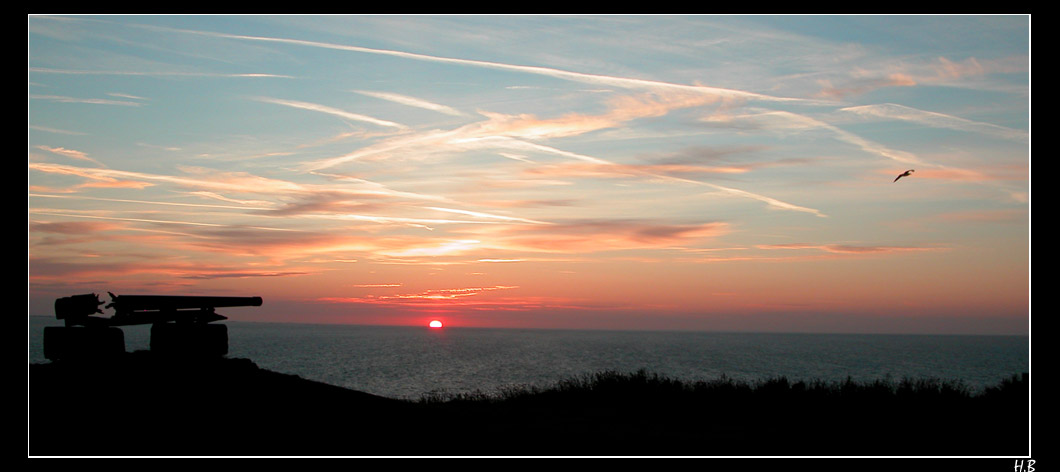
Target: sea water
[410, 362]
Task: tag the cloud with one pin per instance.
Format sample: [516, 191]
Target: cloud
[848, 249]
[860, 86]
[70, 227]
[239, 274]
[436, 299]
[245, 204]
[125, 95]
[771, 202]
[72, 214]
[587, 236]
[783, 121]
[71, 154]
[211, 181]
[331, 111]
[604, 167]
[937, 120]
[620, 110]
[447, 293]
[594, 79]
[65, 233]
[57, 131]
[434, 249]
[946, 69]
[200, 178]
[518, 133]
[494, 135]
[90, 101]
[147, 202]
[322, 202]
[423, 143]
[488, 216]
[411, 101]
[50, 269]
[42, 70]
[587, 169]
[98, 177]
[937, 71]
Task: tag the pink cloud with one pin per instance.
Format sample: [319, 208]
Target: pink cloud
[608, 170]
[604, 235]
[848, 249]
[938, 71]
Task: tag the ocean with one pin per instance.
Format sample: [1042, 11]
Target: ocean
[410, 362]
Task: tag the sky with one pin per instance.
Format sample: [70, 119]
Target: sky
[696, 172]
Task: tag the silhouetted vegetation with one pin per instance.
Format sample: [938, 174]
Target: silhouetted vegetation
[646, 413]
[643, 384]
[144, 405]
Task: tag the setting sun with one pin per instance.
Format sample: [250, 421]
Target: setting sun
[435, 324]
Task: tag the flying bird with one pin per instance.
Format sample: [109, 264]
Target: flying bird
[904, 174]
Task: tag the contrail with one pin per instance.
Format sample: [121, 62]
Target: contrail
[121, 200]
[623, 82]
[488, 215]
[146, 220]
[595, 160]
[331, 111]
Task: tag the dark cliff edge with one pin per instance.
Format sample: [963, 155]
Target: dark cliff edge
[143, 405]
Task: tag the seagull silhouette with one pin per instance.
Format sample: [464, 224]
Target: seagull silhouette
[904, 174]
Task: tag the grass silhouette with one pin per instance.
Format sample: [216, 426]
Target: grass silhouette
[643, 385]
[141, 405]
[652, 414]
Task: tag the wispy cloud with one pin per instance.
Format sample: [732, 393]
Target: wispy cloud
[489, 216]
[68, 214]
[893, 111]
[57, 131]
[43, 269]
[125, 95]
[474, 137]
[198, 179]
[863, 85]
[331, 111]
[148, 202]
[850, 249]
[42, 70]
[283, 198]
[433, 298]
[435, 249]
[653, 172]
[784, 121]
[90, 101]
[239, 274]
[595, 79]
[933, 71]
[70, 227]
[412, 102]
[770, 201]
[588, 169]
[73, 154]
[589, 236]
